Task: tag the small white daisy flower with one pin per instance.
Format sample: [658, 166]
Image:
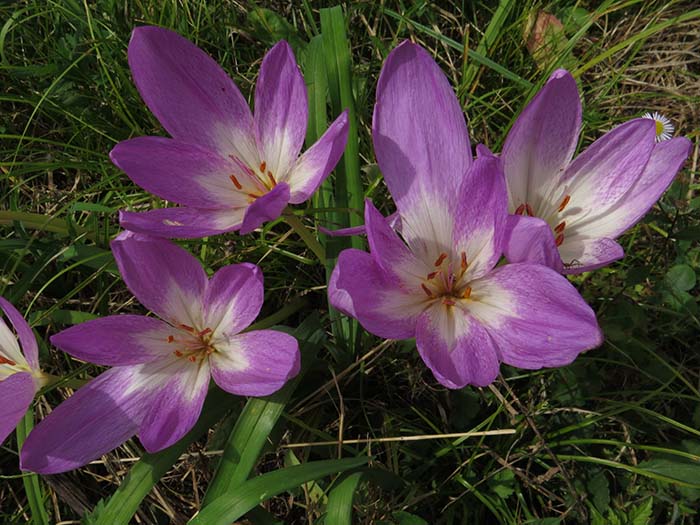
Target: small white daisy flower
[664, 127]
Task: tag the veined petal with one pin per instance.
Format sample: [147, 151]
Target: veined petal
[393, 220]
[176, 405]
[530, 239]
[481, 215]
[542, 141]
[182, 223]
[281, 110]
[17, 392]
[312, 168]
[390, 253]
[534, 315]
[97, 418]
[233, 300]
[666, 160]
[419, 132]
[456, 347]
[8, 342]
[180, 172]
[359, 288]
[581, 254]
[116, 340]
[165, 278]
[192, 97]
[599, 177]
[265, 208]
[255, 363]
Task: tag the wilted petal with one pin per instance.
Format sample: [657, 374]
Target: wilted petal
[542, 141]
[175, 406]
[165, 278]
[116, 340]
[8, 343]
[265, 208]
[581, 254]
[255, 363]
[17, 393]
[180, 172]
[234, 297]
[534, 315]
[480, 216]
[192, 97]
[530, 239]
[318, 161]
[359, 288]
[96, 419]
[599, 177]
[182, 223]
[456, 347]
[420, 136]
[281, 110]
[665, 161]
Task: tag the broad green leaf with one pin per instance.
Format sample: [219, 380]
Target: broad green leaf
[681, 277]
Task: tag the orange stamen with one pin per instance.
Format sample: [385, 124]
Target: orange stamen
[186, 327]
[177, 353]
[564, 202]
[448, 302]
[6, 361]
[272, 179]
[520, 209]
[440, 259]
[426, 290]
[253, 195]
[464, 261]
[432, 275]
[529, 211]
[204, 332]
[560, 227]
[235, 182]
[467, 292]
[170, 339]
[559, 240]
[191, 359]
[263, 167]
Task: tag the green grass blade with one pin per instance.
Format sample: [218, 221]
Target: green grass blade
[124, 503]
[340, 498]
[32, 485]
[250, 494]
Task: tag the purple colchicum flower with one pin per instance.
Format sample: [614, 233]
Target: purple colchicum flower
[441, 285]
[20, 376]
[567, 214]
[161, 368]
[228, 169]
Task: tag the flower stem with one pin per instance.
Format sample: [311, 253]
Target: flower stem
[306, 235]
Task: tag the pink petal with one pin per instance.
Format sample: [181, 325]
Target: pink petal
[542, 141]
[233, 299]
[165, 278]
[17, 392]
[581, 254]
[420, 136]
[256, 363]
[534, 315]
[281, 110]
[96, 419]
[180, 172]
[24, 333]
[456, 347]
[176, 405]
[312, 168]
[189, 93]
[265, 208]
[116, 340]
[530, 239]
[182, 223]
[359, 288]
